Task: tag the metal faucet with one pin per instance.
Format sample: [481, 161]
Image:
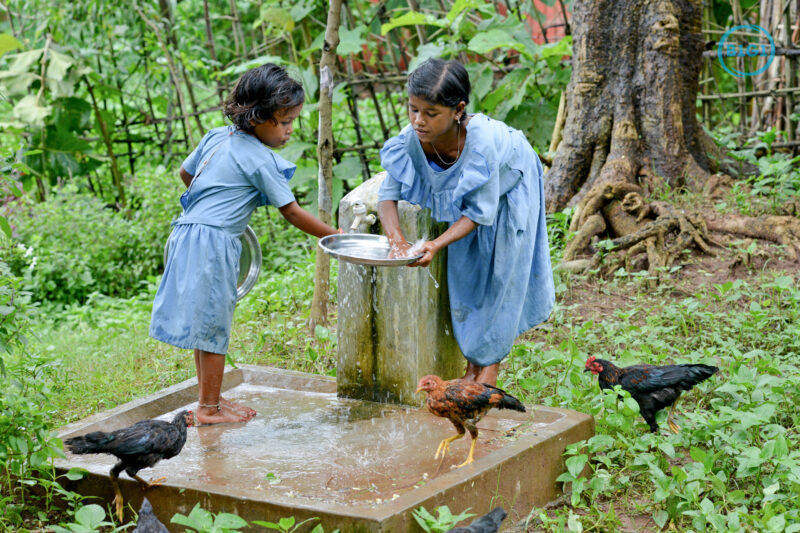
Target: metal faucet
[361, 216]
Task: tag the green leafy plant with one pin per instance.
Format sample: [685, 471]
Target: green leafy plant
[444, 520]
[203, 521]
[288, 525]
[89, 519]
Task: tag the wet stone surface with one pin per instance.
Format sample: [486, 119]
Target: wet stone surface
[315, 447]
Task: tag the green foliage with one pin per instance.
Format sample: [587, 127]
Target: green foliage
[527, 93]
[287, 525]
[76, 246]
[733, 466]
[27, 442]
[444, 521]
[202, 521]
[89, 519]
[775, 181]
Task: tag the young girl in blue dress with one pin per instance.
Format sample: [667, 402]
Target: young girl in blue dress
[231, 172]
[482, 177]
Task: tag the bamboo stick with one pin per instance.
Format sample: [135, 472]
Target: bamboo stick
[788, 72]
[771, 92]
[115, 173]
[212, 50]
[172, 70]
[325, 146]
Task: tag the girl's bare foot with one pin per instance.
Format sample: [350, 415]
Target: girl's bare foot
[243, 410]
[215, 415]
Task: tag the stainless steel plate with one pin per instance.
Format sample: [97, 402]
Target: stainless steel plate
[249, 262]
[363, 249]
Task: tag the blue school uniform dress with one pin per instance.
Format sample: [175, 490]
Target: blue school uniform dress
[499, 276]
[233, 174]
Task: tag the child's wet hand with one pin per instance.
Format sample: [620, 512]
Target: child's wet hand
[399, 249]
[428, 249]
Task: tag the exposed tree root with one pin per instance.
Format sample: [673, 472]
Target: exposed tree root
[654, 235]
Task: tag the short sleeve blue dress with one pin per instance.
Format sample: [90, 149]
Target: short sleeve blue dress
[233, 174]
[499, 276]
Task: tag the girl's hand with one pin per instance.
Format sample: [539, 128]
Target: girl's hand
[429, 250]
[399, 249]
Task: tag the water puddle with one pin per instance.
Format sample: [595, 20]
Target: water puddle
[315, 446]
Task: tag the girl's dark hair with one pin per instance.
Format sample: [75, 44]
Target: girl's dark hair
[440, 82]
[259, 93]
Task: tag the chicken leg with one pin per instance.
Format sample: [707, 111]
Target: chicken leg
[444, 446]
[672, 425]
[118, 505]
[470, 458]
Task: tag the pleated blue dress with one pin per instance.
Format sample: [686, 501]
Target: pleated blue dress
[499, 276]
[234, 174]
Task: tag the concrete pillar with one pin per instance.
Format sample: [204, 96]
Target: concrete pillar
[393, 322]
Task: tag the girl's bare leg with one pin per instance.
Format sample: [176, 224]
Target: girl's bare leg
[472, 371]
[488, 374]
[241, 409]
[211, 410]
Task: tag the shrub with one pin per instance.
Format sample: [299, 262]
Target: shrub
[76, 246]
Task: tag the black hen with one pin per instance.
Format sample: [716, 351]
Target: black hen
[148, 522]
[653, 387]
[139, 446]
[488, 523]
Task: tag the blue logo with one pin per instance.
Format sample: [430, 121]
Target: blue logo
[728, 48]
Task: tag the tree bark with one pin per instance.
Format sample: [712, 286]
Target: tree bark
[631, 98]
[630, 130]
[325, 149]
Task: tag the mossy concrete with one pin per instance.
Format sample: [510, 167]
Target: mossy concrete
[393, 322]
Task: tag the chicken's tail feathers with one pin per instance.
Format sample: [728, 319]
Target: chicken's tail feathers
[94, 442]
[497, 515]
[509, 402]
[697, 373]
[489, 522]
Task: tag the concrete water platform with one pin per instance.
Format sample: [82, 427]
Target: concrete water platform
[355, 465]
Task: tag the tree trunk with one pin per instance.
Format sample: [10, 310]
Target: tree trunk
[325, 148]
[631, 129]
[631, 99]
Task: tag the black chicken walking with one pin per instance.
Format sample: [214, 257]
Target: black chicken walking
[653, 387]
[139, 446]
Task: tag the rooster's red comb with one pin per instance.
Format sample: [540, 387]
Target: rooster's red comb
[590, 360]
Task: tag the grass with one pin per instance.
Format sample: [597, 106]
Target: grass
[735, 466]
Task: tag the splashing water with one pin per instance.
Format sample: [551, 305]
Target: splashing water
[414, 250]
[435, 283]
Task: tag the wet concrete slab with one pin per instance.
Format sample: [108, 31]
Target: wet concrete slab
[355, 465]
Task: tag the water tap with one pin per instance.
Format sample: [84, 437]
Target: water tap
[361, 216]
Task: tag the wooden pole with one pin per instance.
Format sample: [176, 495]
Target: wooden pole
[115, 173]
[325, 147]
[788, 71]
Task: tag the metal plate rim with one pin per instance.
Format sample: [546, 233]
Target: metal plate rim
[250, 240]
[325, 245]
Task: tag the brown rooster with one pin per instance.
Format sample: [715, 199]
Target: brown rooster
[139, 446]
[653, 387]
[464, 403]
